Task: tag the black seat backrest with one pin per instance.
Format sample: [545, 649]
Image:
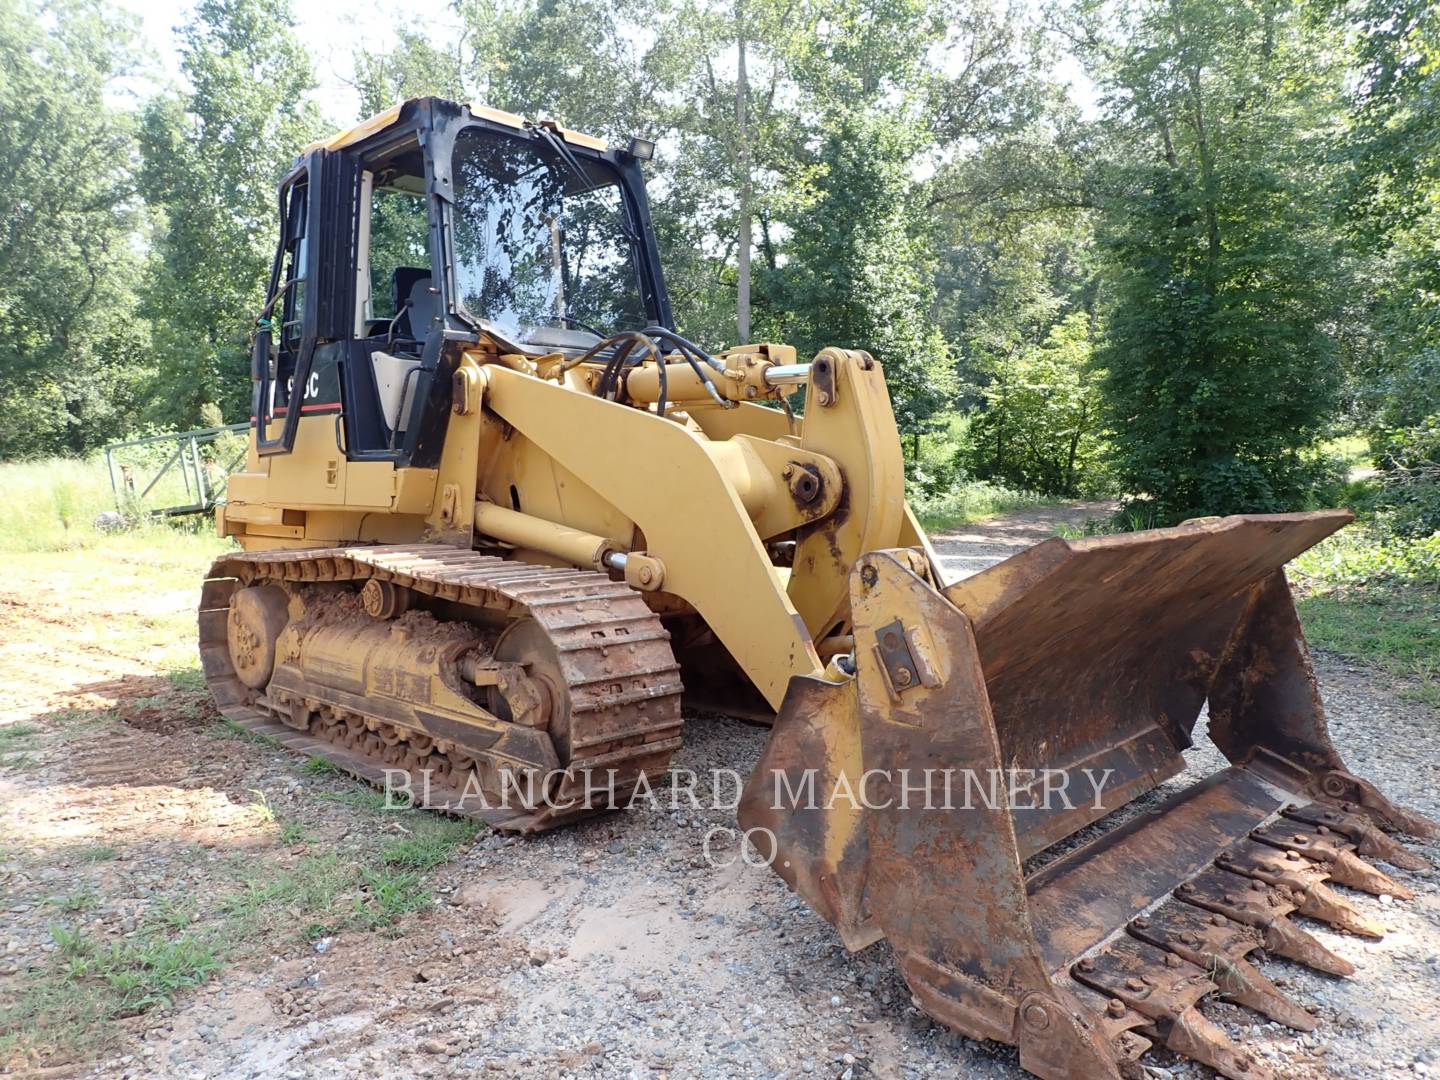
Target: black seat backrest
[414, 302]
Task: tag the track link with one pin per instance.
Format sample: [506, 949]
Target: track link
[621, 680]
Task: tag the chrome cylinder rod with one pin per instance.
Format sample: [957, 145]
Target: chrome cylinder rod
[787, 374]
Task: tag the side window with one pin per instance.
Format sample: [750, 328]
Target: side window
[399, 239]
[292, 269]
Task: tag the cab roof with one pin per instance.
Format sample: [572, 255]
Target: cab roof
[383, 120]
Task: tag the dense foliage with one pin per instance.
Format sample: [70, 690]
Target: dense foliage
[1394, 215]
[1221, 362]
[1168, 281]
[211, 159]
[72, 349]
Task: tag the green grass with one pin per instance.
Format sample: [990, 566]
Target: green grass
[52, 504]
[975, 500]
[172, 913]
[292, 832]
[96, 853]
[67, 1006]
[17, 736]
[318, 766]
[274, 900]
[18, 743]
[75, 903]
[366, 798]
[186, 677]
[325, 894]
[432, 841]
[1375, 599]
[388, 894]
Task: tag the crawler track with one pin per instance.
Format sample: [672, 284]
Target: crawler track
[622, 686]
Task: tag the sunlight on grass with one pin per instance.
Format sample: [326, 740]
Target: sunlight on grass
[1351, 451]
[52, 506]
[1375, 600]
[974, 500]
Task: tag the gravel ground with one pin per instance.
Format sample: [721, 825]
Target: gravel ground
[616, 948]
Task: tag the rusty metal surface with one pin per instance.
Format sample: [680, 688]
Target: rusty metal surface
[616, 688]
[1098, 653]
[821, 852]
[1080, 899]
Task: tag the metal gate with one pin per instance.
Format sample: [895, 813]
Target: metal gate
[184, 473]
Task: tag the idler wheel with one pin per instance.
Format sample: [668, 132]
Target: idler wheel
[257, 616]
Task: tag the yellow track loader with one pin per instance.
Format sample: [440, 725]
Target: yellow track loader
[497, 513]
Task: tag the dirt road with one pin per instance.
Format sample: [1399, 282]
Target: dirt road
[181, 902]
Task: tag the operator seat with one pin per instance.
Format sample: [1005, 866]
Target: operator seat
[416, 304]
[416, 308]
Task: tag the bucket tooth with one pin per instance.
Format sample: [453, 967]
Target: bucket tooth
[1220, 950]
[1320, 902]
[1369, 840]
[1241, 982]
[1375, 844]
[1305, 882]
[1196, 1037]
[1164, 987]
[1262, 909]
[1336, 854]
[1284, 938]
[1349, 869]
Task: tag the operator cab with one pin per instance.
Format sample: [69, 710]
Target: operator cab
[429, 228]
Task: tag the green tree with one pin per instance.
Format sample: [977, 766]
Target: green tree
[733, 66]
[1224, 268]
[71, 347]
[585, 63]
[757, 84]
[1039, 429]
[1393, 211]
[414, 66]
[213, 155]
[859, 270]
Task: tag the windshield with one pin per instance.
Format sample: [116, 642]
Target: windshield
[543, 252]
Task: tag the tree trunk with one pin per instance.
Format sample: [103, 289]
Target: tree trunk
[742, 160]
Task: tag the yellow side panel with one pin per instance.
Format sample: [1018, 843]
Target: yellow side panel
[371, 484]
[549, 490]
[313, 474]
